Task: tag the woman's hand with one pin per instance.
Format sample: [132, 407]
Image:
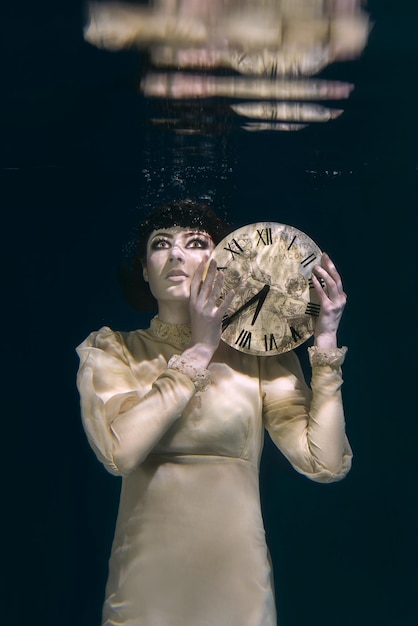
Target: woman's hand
[207, 310]
[332, 299]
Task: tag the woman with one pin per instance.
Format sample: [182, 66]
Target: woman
[181, 416]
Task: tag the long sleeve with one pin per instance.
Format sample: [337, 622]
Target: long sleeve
[124, 418]
[307, 424]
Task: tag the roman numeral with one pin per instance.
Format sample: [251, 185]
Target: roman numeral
[270, 342]
[291, 243]
[309, 259]
[321, 280]
[244, 339]
[312, 309]
[225, 321]
[235, 242]
[295, 334]
[265, 236]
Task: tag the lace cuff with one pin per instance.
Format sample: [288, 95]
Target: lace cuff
[199, 376]
[326, 356]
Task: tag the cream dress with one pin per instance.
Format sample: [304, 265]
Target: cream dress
[189, 546]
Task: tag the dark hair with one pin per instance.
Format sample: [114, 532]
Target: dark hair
[183, 213]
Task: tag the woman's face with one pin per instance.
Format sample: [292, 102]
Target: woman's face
[173, 255]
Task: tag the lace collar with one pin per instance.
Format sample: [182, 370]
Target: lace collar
[178, 335]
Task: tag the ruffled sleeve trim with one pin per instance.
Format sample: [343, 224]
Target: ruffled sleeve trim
[320, 357]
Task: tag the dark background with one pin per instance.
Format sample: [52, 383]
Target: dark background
[74, 146]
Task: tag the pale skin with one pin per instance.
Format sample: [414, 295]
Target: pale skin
[176, 262]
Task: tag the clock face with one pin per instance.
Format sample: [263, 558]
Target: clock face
[269, 267]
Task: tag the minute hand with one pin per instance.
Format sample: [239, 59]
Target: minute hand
[260, 297]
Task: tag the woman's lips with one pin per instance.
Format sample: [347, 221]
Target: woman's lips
[176, 275]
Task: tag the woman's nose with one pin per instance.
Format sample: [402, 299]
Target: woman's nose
[177, 253]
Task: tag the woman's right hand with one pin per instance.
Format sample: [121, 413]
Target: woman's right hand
[207, 311]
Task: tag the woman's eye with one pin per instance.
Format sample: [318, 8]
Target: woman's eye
[198, 242]
[159, 243]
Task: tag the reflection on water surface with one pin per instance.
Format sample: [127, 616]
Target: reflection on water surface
[259, 58]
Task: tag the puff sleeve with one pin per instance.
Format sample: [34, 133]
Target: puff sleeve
[307, 423]
[122, 416]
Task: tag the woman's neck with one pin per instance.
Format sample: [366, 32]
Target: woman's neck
[174, 312]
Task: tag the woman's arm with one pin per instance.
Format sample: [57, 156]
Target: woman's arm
[308, 425]
[123, 420]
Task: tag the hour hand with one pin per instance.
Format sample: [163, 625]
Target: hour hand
[258, 297]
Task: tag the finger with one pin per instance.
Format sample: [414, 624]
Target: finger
[332, 289]
[332, 304]
[207, 283]
[328, 265]
[226, 303]
[327, 290]
[197, 280]
[218, 286]
[320, 287]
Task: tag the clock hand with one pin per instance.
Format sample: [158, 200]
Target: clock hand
[263, 295]
[260, 296]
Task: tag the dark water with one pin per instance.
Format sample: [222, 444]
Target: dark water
[78, 157]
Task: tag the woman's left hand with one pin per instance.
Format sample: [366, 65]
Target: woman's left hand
[332, 299]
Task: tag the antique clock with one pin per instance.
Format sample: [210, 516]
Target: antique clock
[269, 267]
